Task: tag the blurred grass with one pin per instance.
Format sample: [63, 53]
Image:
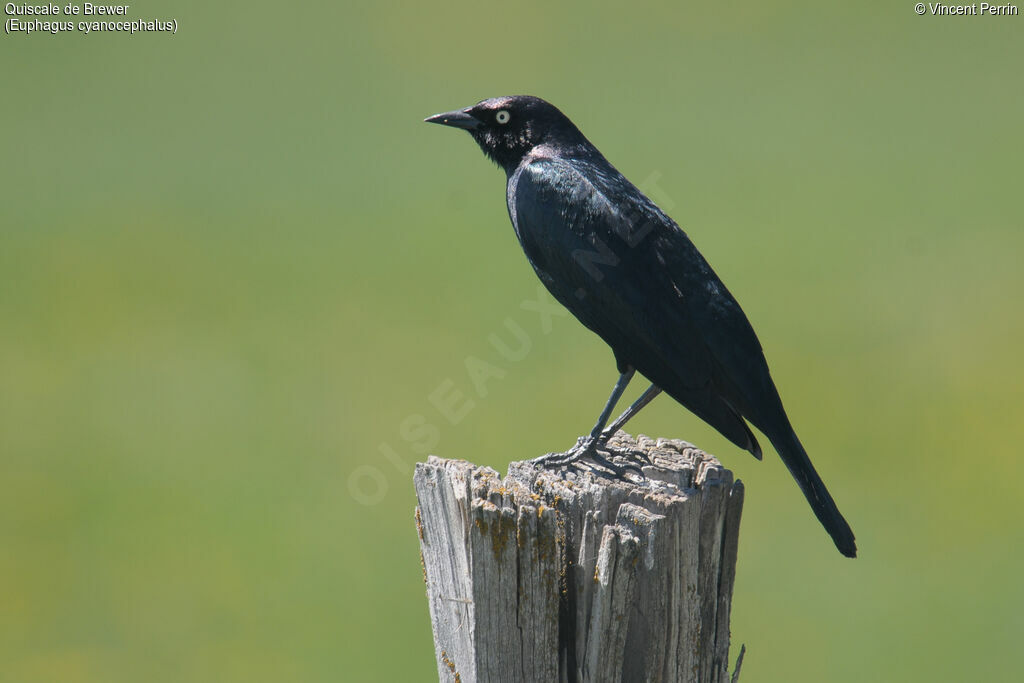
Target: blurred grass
[233, 262]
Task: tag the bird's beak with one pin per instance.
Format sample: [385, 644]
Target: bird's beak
[455, 119]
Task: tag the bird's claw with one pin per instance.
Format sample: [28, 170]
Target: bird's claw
[619, 470]
[586, 448]
[585, 445]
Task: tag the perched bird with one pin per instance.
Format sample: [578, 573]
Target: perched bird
[631, 275]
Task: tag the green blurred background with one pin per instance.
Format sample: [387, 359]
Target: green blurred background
[234, 265]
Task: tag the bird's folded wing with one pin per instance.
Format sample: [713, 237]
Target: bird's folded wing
[581, 243]
[630, 274]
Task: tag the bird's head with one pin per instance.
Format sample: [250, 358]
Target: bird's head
[507, 128]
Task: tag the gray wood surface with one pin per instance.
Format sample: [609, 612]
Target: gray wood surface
[573, 575]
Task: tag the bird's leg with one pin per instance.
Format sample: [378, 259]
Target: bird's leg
[613, 400]
[600, 440]
[587, 445]
[638, 405]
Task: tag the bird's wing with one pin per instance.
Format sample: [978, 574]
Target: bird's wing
[741, 373]
[599, 257]
[577, 240]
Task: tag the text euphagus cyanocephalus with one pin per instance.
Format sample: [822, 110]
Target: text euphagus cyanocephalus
[630, 274]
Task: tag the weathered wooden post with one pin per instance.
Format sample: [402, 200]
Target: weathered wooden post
[577, 576]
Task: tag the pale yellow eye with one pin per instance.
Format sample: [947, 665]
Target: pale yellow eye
[502, 116]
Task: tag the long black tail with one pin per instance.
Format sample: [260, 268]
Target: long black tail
[795, 457]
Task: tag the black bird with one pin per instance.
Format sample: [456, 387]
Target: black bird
[631, 275]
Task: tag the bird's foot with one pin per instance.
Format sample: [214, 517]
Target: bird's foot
[586, 448]
[585, 445]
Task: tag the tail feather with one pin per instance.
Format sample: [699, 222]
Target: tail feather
[795, 457]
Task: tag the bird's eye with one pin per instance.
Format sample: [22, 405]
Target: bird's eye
[502, 116]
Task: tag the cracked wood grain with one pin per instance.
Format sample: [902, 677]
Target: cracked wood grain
[573, 575]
